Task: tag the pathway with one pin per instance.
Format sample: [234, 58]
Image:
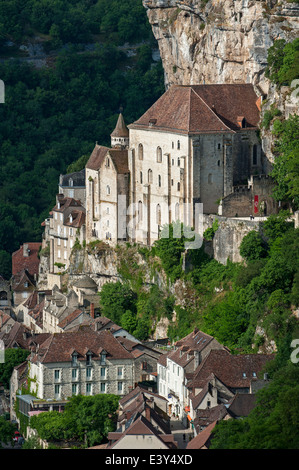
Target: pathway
[179, 431]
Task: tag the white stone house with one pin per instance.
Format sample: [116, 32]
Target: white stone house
[67, 226]
[177, 367]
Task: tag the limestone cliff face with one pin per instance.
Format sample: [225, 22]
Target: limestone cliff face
[219, 41]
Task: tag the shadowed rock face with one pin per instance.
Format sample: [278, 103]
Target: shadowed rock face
[219, 41]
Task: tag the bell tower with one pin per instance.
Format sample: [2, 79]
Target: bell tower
[120, 135]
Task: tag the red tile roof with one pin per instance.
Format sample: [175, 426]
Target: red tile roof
[31, 262]
[60, 346]
[195, 109]
[229, 368]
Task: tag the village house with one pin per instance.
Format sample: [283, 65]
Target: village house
[67, 227]
[80, 362]
[145, 363]
[175, 368]
[72, 185]
[141, 434]
[142, 422]
[5, 296]
[220, 377]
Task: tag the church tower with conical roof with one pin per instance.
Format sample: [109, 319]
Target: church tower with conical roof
[120, 135]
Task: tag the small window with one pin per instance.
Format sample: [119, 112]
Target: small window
[159, 180]
[178, 145]
[210, 178]
[103, 372]
[179, 162]
[150, 176]
[219, 146]
[140, 152]
[74, 389]
[103, 388]
[71, 183]
[56, 374]
[141, 177]
[108, 189]
[179, 186]
[107, 161]
[159, 154]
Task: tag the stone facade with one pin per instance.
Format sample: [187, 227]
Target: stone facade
[82, 362]
[67, 225]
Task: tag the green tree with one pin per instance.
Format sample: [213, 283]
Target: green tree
[253, 247]
[12, 358]
[286, 164]
[115, 299]
[6, 431]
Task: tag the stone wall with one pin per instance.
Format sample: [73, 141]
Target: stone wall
[228, 237]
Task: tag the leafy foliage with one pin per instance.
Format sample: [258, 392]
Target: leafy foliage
[52, 117]
[13, 357]
[283, 62]
[85, 418]
[286, 165]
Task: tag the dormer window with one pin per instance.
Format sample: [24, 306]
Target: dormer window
[103, 357]
[71, 219]
[74, 359]
[71, 182]
[88, 358]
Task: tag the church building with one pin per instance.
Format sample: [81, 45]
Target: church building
[195, 144]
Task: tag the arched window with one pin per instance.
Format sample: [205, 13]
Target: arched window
[159, 154]
[140, 213]
[159, 181]
[140, 152]
[158, 214]
[254, 154]
[150, 176]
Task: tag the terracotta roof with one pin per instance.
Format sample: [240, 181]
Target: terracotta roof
[235, 371]
[17, 336]
[121, 129]
[242, 404]
[70, 318]
[197, 109]
[120, 160]
[141, 427]
[60, 346]
[66, 202]
[203, 438]
[31, 262]
[97, 156]
[209, 415]
[19, 279]
[185, 347]
[78, 218]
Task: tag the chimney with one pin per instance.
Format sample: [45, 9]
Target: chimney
[92, 310]
[25, 250]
